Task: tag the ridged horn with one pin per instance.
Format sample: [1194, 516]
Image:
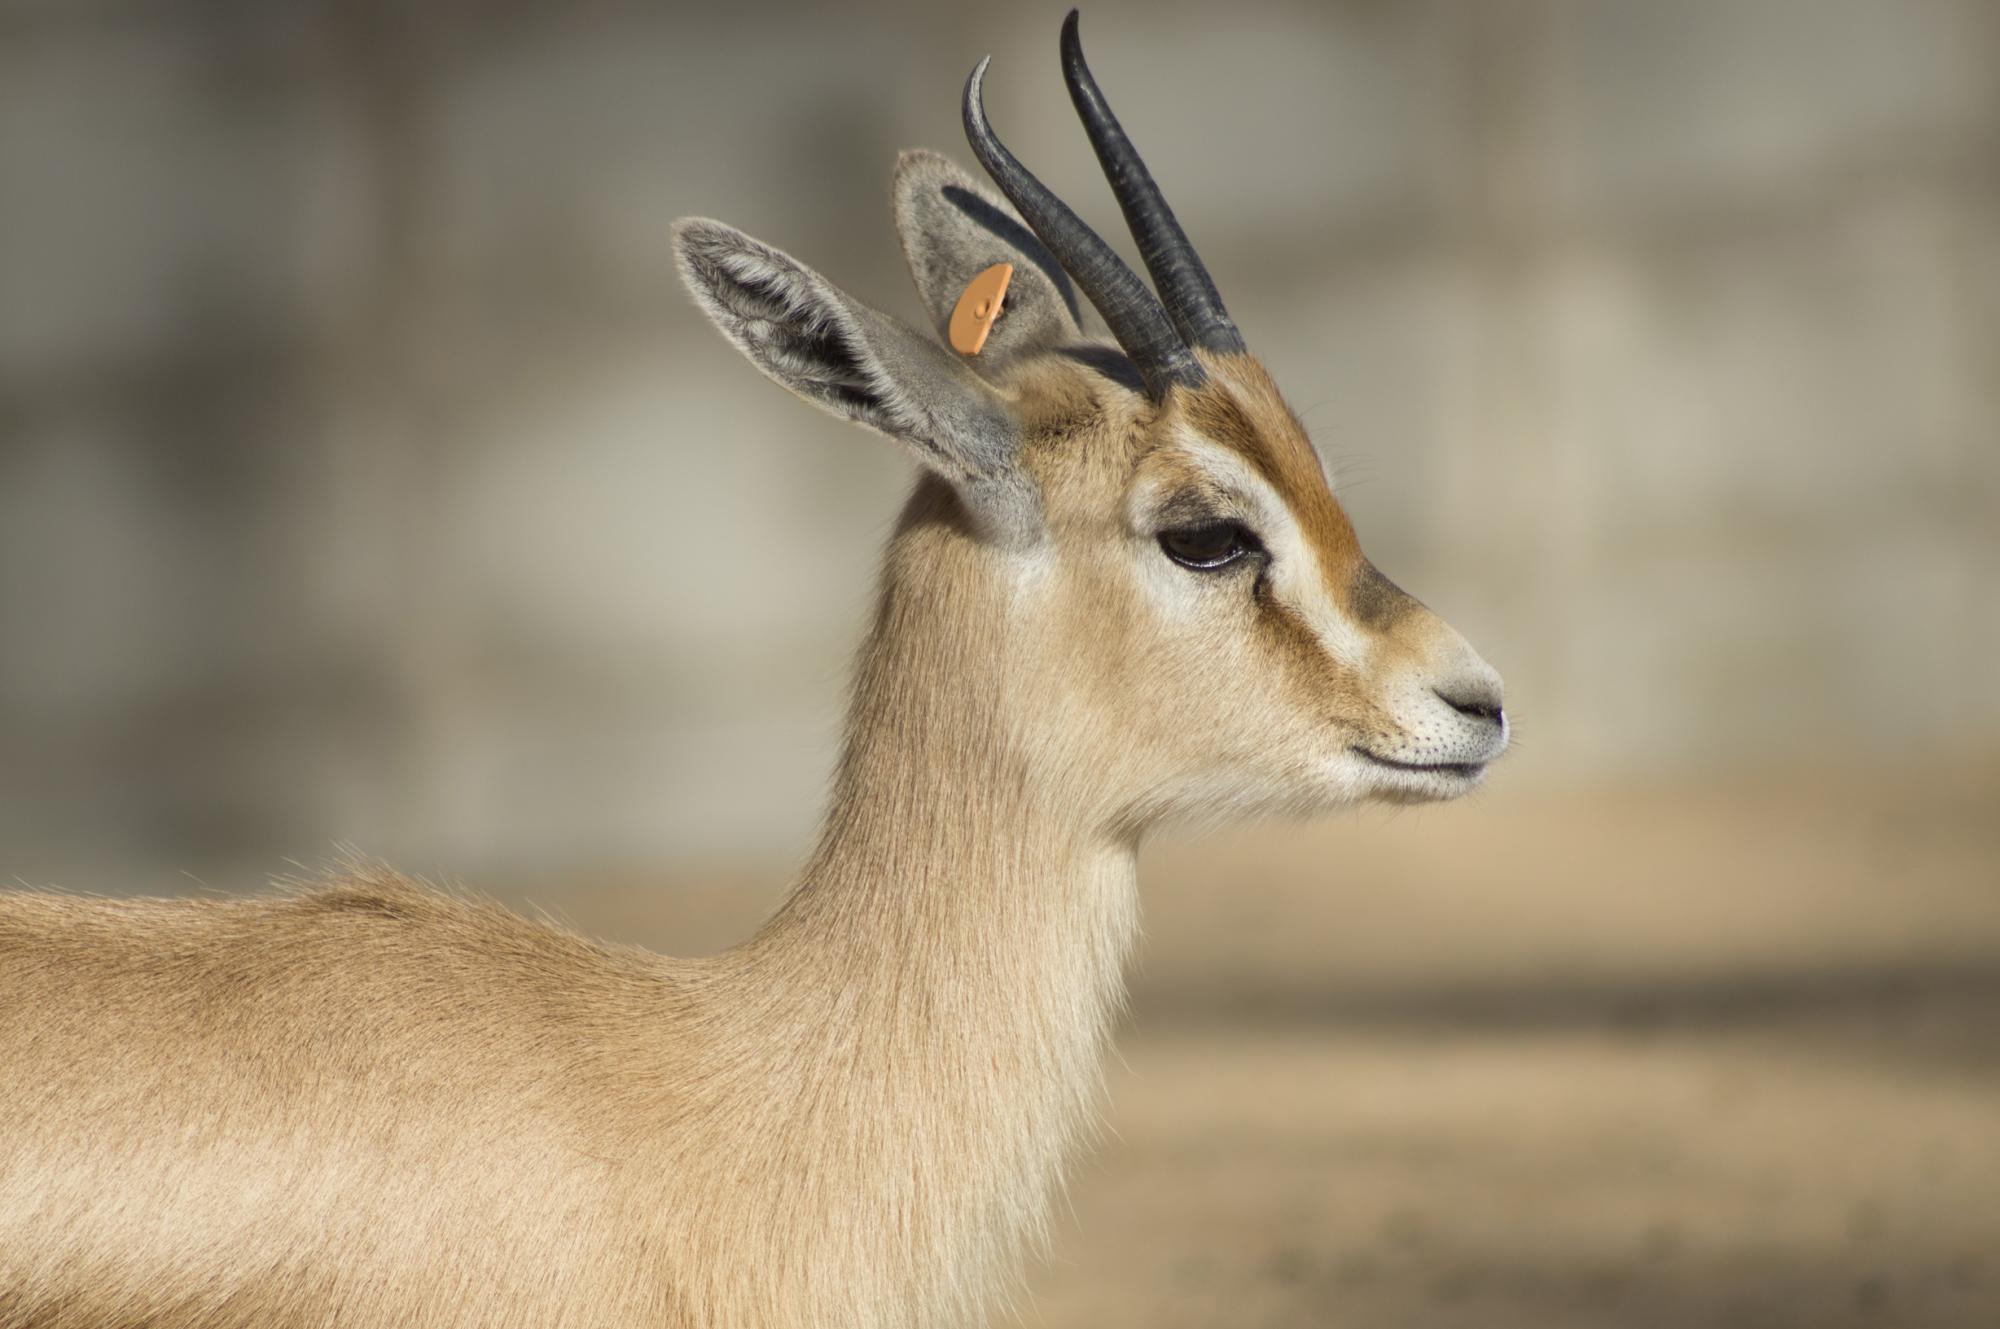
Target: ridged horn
[1132, 312]
[1185, 287]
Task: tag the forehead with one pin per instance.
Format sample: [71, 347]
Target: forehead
[1241, 411]
[1086, 436]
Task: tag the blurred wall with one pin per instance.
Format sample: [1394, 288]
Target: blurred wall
[365, 474]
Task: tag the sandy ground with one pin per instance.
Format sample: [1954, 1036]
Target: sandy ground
[1792, 1173]
[1716, 1056]
[1727, 1057]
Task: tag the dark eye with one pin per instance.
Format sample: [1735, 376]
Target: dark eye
[1209, 546]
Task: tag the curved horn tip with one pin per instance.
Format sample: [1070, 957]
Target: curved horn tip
[1185, 287]
[1071, 48]
[973, 111]
[1134, 314]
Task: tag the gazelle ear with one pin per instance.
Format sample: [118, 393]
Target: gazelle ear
[952, 229]
[857, 362]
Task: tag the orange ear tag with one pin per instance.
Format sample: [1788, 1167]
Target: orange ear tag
[979, 308]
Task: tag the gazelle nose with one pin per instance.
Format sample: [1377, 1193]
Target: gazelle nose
[1476, 697]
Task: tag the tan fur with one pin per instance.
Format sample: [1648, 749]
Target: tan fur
[366, 1102]
[1241, 409]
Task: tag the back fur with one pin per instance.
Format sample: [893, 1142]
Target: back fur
[362, 1101]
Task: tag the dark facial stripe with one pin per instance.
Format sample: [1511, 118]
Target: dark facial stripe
[1376, 602]
[1319, 681]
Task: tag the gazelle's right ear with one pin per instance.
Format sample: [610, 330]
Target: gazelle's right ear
[953, 228]
[842, 356]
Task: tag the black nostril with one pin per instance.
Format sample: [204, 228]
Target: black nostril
[1476, 702]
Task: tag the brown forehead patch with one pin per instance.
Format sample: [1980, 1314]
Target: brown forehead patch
[1240, 409]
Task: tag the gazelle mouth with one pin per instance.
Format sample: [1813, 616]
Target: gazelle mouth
[1463, 770]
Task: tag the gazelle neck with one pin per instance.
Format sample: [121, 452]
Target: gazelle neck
[953, 952]
[950, 827]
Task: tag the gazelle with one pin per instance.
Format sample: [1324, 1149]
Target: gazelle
[1121, 593]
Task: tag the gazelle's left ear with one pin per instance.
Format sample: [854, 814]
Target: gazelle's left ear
[952, 229]
[842, 356]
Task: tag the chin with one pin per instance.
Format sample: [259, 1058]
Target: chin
[1358, 777]
[1434, 785]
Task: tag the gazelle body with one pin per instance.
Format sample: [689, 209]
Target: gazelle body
[1121, 593]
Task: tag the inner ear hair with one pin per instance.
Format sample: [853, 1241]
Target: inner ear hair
[789, 322]
[815, 340]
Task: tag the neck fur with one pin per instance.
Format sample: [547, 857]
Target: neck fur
[935, 997]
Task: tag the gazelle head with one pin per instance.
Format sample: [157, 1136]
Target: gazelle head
[1136, 546]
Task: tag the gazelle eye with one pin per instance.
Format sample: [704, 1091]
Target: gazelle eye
[1210, 546]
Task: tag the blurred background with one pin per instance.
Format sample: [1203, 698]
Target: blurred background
[366, 477]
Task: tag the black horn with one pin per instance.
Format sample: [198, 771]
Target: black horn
[1130, 310]
[1184, 284]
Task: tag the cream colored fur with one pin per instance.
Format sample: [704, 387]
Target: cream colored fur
[366, 1102]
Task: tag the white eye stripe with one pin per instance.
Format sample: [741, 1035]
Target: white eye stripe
[1296, 573]
[1234, 476]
